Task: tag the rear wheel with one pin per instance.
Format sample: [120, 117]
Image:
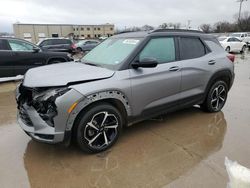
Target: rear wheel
[243, 49]
[78, 49]
[99, 128]
[216, 97]
[228, 49]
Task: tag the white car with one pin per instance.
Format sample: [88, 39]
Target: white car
[244, 37]
[232, 44]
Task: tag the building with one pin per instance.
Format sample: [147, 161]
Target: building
[36, 32]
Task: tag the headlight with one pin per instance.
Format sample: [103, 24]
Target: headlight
[44, 103]
[51, 94]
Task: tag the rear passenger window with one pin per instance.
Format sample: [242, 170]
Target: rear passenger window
[161, 49]
[46, 43]
[66, 41]
[191, 48]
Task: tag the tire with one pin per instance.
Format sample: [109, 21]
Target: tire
[228, 49]
[78, 49]
[216, 97]
[243, 49]
[93, 133]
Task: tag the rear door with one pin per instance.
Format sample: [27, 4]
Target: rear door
[25, 56]
[156, 88]
[59, 45]
[6, 59]
[233, 44]
[238, 44]
[197, 62]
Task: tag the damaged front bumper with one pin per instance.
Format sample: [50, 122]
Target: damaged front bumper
[36, 127]
[34, 124]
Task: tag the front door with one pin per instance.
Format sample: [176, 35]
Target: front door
[25, 56]
[159, 87]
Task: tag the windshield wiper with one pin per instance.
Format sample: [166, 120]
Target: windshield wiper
[92, 64]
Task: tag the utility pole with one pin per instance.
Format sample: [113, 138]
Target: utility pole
[240, 1]
[188, 24]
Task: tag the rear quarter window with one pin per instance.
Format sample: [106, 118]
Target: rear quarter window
[191, 48]
[214, 45]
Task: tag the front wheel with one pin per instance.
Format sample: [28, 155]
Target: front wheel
[99, 128]
[216, 97]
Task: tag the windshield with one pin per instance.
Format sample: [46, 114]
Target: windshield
[111, 52]
[236, 35]
[222, 38]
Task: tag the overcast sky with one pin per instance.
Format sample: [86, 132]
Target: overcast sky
[119, 12]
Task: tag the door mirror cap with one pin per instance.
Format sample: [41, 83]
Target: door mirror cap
[36, 49]
[145, 63]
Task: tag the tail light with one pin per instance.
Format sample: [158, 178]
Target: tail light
[231, 57]
[73, 46]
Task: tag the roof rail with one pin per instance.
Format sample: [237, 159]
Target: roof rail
[176, 30]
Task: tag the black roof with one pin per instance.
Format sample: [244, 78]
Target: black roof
[159, 32]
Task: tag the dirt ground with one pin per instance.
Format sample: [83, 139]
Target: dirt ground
[179, 150]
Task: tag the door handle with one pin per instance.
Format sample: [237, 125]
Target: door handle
[175, 68]
[211, 62]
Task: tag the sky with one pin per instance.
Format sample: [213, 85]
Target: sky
[122, 13]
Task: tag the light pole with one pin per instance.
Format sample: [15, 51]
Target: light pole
[240, 1]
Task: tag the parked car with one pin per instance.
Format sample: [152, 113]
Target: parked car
[127, 78]
[57, 45]
[86, 45]
[232, 44]
[17, 56]
[244, 37]
[103, 38]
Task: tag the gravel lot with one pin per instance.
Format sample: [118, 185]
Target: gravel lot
[178, 150]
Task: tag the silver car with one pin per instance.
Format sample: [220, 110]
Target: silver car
[127, 78]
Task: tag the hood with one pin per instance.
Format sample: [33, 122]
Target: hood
[64, 73]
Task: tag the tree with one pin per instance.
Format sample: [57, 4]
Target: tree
[244, 22]
[206, 28]
[170, 26]
[147, 28]
[224, 27]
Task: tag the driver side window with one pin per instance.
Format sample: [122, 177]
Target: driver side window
[161, 49]
[17, 46]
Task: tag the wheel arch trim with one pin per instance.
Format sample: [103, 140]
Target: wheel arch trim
[97, 97]
[56, 57]
[219, 74]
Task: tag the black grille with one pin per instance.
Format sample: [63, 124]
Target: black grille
[25, 117]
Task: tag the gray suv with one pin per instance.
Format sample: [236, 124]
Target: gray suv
[127, 78]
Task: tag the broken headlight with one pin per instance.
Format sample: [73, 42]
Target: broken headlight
[44, 103]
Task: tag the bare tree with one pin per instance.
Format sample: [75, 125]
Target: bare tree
[206, 28]
[170, 26]
[244, 22]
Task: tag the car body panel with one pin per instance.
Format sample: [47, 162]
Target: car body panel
[56, 45]
[233, 43]
[140, 90]
[14, 63]
[62, 74]
[87, 45]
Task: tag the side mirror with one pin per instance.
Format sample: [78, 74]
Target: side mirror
[35, 50]
[145, 63]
